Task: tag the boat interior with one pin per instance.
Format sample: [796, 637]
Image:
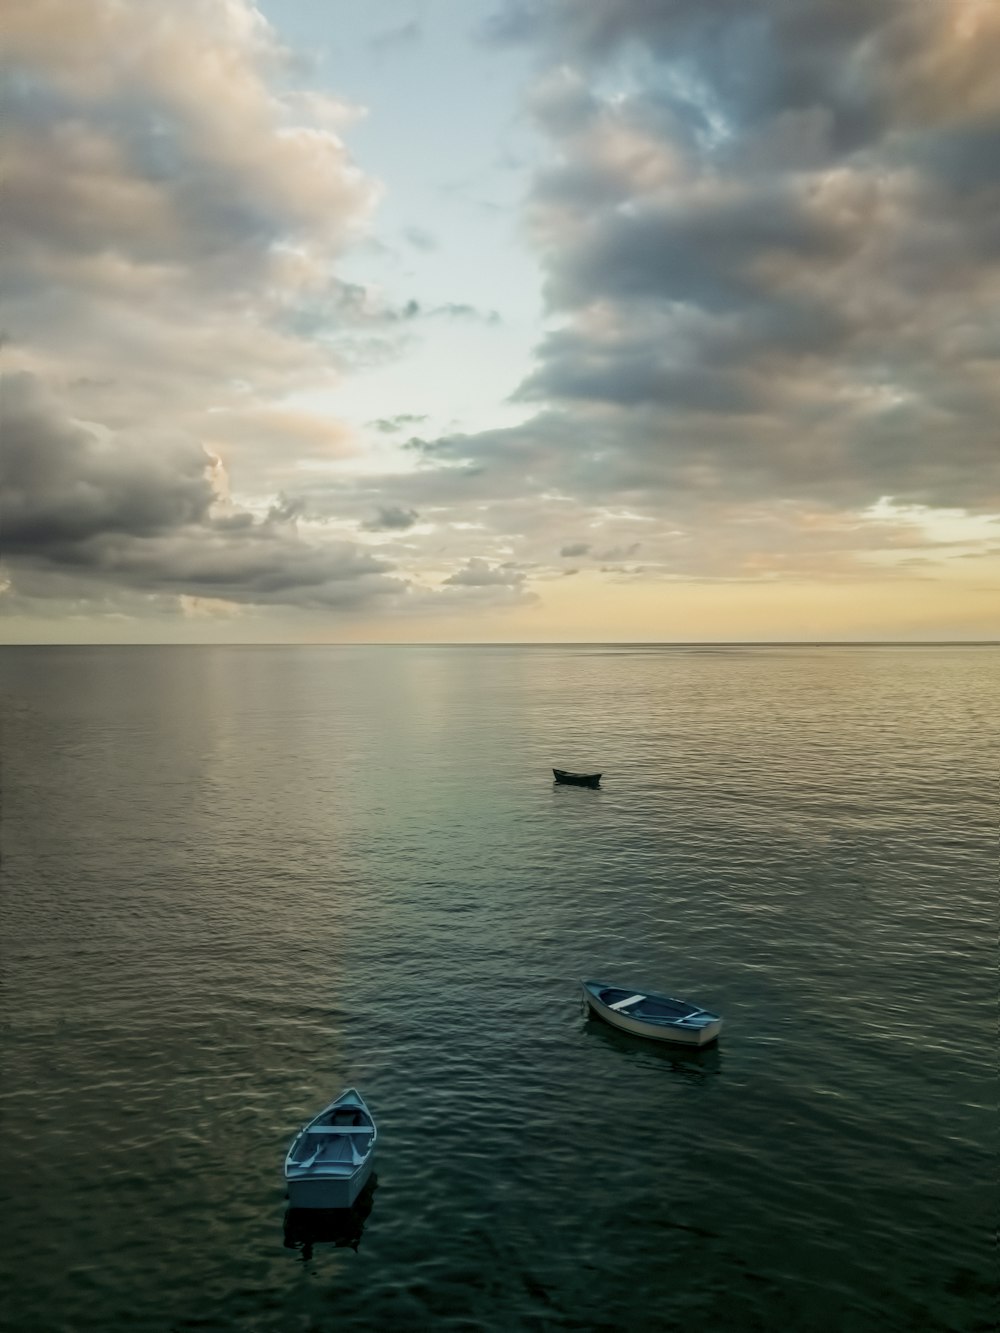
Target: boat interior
[340, 1141]
[651, 1008]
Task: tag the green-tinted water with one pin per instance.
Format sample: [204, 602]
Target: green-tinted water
[236, 880]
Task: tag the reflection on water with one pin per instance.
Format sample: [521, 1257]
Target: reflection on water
[340, 1227]
[692, 1061]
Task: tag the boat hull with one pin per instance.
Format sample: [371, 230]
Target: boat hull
[577, 779]
[328, 1191]
[674, 1036]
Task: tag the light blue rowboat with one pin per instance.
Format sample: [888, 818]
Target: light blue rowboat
[331, 1158]
[646, 1014]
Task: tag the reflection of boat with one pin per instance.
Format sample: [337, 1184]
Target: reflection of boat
[331, 1158]
[577, 779]
[342, 1227]
[646, 1014]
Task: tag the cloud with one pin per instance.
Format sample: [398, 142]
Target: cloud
[420, 238]
[448, 309]
[480, 585]
[767, 238]
[144, 512]
[389, 425]
[174, 212]
[392, 518]
[152, 132]
[65, 485]
[462, 310]
[172, 215]
[270, 437]
[476, 573]
[747, 63]
[397, 38]
[769, 241]
[617, 553]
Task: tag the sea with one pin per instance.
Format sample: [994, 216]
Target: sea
[239, 879]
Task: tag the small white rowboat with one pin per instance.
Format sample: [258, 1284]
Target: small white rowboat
[648, 1015]
[331, 1158]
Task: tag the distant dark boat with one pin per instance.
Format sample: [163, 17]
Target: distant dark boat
[577, 779]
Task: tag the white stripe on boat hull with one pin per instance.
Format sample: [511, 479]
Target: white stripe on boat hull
[677, 1036]
[321, 1191]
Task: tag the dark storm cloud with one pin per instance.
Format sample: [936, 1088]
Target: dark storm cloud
[574, 548]
[143, 512]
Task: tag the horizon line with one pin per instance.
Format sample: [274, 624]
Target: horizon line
[515, 643]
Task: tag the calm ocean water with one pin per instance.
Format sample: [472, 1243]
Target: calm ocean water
[235, 880]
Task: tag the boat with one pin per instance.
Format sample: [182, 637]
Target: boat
[577, 779]
[331, 1158]
[646, 1014]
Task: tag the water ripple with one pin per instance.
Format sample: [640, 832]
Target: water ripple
[235, 880]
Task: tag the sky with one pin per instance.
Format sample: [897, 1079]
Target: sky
[500, 321]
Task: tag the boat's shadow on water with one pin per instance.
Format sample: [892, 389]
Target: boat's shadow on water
[692, 1062]
[339, 1227]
